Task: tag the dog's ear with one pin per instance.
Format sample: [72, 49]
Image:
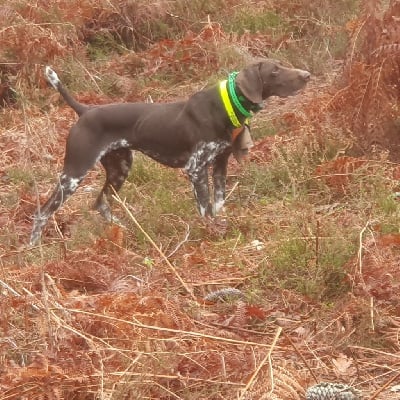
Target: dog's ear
[250, 82]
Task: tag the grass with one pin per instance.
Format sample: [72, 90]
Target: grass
[308, 248]
[160, 198]
[255, 20]
[102, 46]
[20, 176]
[104, 304]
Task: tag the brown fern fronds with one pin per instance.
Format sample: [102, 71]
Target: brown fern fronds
[176, 315]
[371, 6]
[371, 74]
[285, 383]
[240, 314]
[7, 15]
[387, 49]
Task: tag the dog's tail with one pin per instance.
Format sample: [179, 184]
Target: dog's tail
[54, 81]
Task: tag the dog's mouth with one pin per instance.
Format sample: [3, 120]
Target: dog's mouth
[293, 92]
[290, 94]
[296, 92]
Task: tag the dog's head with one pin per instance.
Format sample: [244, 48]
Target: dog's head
[269, 78]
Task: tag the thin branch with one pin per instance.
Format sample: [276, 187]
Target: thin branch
[170, 266]
[251, 381]
[382, 388]
[138, 324]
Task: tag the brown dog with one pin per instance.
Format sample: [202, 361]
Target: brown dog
[192, 135]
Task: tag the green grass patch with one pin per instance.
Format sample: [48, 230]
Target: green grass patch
[161, 200]
[255, 20]
[102, 45]
[304, 259]
[20, 176]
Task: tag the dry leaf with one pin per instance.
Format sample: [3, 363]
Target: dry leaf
[343, 365]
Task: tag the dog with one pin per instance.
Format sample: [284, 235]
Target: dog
[194, 134]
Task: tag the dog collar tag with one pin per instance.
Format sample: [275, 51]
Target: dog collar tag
[242, 144]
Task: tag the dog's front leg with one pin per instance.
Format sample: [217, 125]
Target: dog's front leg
[196, 169]
[219, 179]
[199, 181]
[204, 155]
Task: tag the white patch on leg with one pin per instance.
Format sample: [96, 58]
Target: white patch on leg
[219, 204]
[202, 211]
[204, 155]
[113, 146]
[73, 183]
[52, 77]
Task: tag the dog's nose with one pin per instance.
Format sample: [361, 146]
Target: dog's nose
[305, 75]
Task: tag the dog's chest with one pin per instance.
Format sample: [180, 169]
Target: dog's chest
[203, 155]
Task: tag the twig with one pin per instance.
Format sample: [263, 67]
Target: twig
[145, 375]
[223, 281]
[170, 266]
[232, 190]
[258, 369]
[360, 247]
[236, 243]
[371, 312]
[301, 356]
[385, 353]
[90, 76]
[62, 323]
[376, 377]
[26, 24]
[15, 293]
[317, 246]
[355, 40]
[185, 239]
[138, 324]
[167, 390]
[9, 288]
[382, 388]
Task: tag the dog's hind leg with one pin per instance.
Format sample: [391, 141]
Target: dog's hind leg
[66, 186]
[117, 164]
[79, 159]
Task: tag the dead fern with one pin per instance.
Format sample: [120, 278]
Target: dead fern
[364, 99]
[371, 74]
[281, 382]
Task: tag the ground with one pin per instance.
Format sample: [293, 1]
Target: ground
[294, 284]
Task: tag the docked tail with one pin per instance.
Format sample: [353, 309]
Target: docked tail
[54, 81]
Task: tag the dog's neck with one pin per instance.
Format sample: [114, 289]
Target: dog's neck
[237, 106]
[242, 103]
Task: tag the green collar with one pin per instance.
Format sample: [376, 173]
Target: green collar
[236, 101]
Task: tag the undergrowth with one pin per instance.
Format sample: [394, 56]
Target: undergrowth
[294, 283]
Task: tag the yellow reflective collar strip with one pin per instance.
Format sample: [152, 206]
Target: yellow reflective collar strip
[228, 105]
